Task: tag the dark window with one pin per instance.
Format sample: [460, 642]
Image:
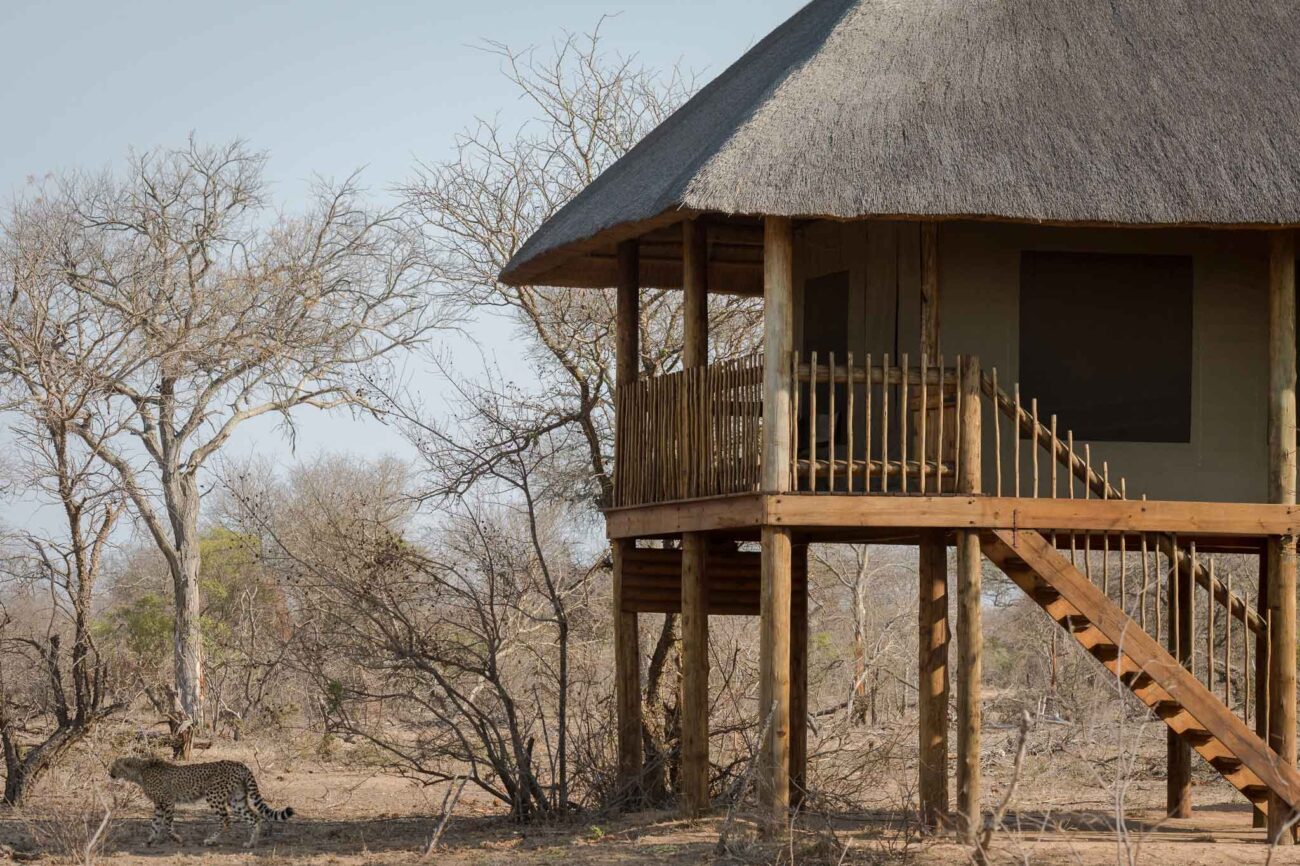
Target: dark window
[1106, 344]
[826, 331]
[826, 315]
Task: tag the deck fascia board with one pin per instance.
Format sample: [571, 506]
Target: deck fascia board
[835, 511]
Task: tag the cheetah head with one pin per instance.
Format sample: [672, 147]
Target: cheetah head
[127, 769]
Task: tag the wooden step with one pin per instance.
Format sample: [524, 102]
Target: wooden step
[1105, 652]
[1111, 636]
[1166, 710]
[1136, 680]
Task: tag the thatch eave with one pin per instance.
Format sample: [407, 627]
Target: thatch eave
[1076, 112]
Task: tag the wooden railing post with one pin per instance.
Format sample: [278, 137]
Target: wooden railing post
[695, 603]
[1282, 489]
[970, 640]
[774, 649]
[627, 643]
[1178, 754]
[1259, 818]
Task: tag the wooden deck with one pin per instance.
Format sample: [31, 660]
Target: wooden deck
[834, 513]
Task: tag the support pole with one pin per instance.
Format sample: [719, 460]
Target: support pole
[774, 638]
[1178, 754]
[695, 618]
[627, 643]
[970, 638]
[1282, 490]
[799, 677]
[932, 698]
[932, 606]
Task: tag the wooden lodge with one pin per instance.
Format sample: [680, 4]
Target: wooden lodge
[1029, 285]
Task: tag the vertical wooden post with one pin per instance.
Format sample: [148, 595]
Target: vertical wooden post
[1259, 819]
[930, 289]
[1282, 489]
[695, 615]
[932, 607]
[627, 643]
[774, 640]
[970, 639]
[1178, 754]
[695, 294]
[799, 677]
[932, 698]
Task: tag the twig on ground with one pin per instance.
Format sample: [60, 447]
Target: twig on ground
[447, 809]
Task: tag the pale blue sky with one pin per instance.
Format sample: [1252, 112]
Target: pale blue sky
[326, 86]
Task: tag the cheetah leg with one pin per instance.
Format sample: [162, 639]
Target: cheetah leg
[163, 816]
[241, 810]
[157, 824]
[219, 806]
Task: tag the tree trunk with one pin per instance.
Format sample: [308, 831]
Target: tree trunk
[187, 636]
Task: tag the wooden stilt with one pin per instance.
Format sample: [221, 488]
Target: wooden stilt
[1178, 778]
[774, 640]
[695, 618]
[932, 608]
[799, 681]
[695, 676]
[932, 698]
[627, 644]
[969, 603]
[774, 672]
[1282, 489]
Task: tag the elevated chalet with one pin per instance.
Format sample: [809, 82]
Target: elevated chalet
[1029, 282]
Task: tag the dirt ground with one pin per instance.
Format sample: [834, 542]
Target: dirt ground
[351, 817]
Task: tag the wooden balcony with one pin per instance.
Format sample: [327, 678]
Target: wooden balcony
[876, 448]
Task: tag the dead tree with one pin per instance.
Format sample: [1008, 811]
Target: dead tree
[193, 309]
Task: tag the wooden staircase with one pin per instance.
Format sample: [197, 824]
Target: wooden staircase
[1139, 661]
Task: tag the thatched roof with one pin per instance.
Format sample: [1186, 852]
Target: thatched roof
[1131, 112]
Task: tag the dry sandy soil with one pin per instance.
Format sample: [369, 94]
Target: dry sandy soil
[352, 816]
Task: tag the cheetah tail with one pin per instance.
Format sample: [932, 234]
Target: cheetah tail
[255, 797]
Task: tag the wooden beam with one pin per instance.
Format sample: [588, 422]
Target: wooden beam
[932, 600]
[627, 640]
[627, 325]
[774, 674]
[838, 511]
[695, 675]
[1282, 490]
[778, 343]
[970, 637]
[798, 676]
[694, 582]
[774, 641]
[932, 696]
[992, 512]
[930, 289]
[695, 294]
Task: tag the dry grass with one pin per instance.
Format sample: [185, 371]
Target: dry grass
[351, 813]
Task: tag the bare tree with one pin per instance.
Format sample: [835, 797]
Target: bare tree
[586, 108]
[46, 408]
[450, 655]
[881, 651]
[199, 308]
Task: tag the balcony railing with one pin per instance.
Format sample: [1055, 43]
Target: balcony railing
[875, 426]
[690, 434]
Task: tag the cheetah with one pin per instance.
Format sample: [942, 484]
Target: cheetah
[226, 785]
